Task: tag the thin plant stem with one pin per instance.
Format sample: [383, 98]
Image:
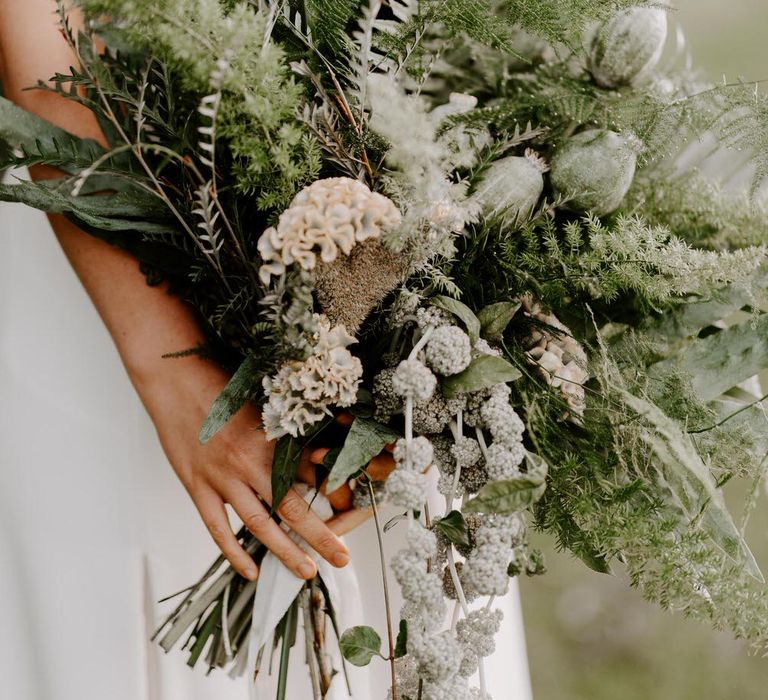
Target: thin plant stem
[285, 652]
[225, 622]
[387, 606]
[481, 677]
[421, 343]
[314, 671]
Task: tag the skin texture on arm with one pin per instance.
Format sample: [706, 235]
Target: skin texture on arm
[146, 322]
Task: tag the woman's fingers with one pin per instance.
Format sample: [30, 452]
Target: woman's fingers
[257, 519]
[341, 498]
[347, 521]
[214, 515]
[295, 512]
[380, 467]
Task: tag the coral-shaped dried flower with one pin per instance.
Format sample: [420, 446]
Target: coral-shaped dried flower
[326, 217]
[560, 359]
[303, 391]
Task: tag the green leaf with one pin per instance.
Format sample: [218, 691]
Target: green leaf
[33, 134]
[537, 467]
[483, 372]
[285, 464]
[115, 212]
[360, 644]
[328, 19]
[454, 527]
[495, 318]
[330, 457]
[690, 481]
[288, 626]
[401, 645]
[462, 312]
[721, 360]
[365, 406]
[507, 497]
[232, 398]
[694, 314]
[366, 438]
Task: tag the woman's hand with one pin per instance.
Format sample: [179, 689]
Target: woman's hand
[233, 467]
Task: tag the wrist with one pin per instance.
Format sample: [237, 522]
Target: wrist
[190, 383]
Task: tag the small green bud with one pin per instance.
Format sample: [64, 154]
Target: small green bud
[535, 565]
[594, 170]
[628, 46]
[512, 186]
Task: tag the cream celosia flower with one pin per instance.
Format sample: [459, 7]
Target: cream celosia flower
[326, 217]
[302, 392]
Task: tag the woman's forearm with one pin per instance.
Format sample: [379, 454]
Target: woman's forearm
[144, 321]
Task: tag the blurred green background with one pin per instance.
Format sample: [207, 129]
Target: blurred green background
[589, 636]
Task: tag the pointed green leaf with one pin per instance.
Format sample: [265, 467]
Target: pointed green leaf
[495, 318]
[721, 360]
[462, 312]
[596, 562]
[692, 315]
[483, 372]
[691, 481]
[454, 527]
[366, 438]
[401, 645]
[238, 391]
[360, 644]
[30, 133]
[285, 464]
[506, 497]
[114, 212]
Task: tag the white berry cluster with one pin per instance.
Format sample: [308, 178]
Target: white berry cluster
[432, 317]
[414, 380]
[476, 634]
[303, 391]
[407, 485]
[495, 541]
[448, 351]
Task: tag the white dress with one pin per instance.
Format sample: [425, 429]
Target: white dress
[95, 527]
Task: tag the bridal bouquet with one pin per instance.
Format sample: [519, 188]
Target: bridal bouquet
[473, 234]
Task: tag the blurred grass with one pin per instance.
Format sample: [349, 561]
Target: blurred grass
[589, 636]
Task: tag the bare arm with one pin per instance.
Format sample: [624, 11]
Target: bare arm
[146, 322]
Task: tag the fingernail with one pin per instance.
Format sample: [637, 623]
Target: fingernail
[340, 559]
[251, 573]
[307, 569]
